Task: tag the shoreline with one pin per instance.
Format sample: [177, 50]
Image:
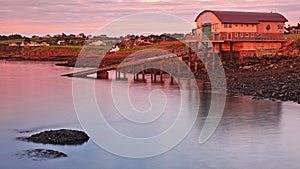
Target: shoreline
[276, 80]
[273, 79]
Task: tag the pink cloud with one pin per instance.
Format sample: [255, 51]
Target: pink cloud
[72, 16]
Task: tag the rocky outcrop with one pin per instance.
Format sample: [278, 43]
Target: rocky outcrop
[40, 154]
[291, 48]
[277, 79]
[59, 137]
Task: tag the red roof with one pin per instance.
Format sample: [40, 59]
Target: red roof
[246, 17]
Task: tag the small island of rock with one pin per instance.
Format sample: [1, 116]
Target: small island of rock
[59, 137]
[40, 154]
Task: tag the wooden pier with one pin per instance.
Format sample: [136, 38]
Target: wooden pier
[173, 64]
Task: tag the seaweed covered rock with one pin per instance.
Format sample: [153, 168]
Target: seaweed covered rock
[59, 137]
[40, 154]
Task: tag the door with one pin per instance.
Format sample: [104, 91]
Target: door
[206, 32]
[217, 36]
[229, 35]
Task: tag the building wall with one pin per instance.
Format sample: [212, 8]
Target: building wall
[261, 28]
[248, 49]
[238, 27]
[248, 39]
[232, 31]
[207, 17]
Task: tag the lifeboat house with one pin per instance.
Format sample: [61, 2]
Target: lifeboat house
[241, 34]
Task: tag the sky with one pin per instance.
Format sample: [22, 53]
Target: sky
[118, 17]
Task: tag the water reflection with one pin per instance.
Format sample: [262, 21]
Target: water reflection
[251, 134]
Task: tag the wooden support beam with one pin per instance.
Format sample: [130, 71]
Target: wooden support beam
[161, 76]
[119, 75]
[143, 75]
[172, 73]
[133, 71]
[137, 77]
[231, 51]
[161, 72]
[178, 72]
[155, 75]
[196, 66]
[189, 54]
[220, 50]
[172, 80]
[102, 75]
[205, 59]
[151, 72]
[214, 60]
[196, 56]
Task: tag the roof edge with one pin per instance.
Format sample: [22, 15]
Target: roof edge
[213, 11]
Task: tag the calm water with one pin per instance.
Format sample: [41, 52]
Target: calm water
[252, 133]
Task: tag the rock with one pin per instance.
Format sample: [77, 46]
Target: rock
[247, 67]
[259, 92]
[60, 137]
[40, 154]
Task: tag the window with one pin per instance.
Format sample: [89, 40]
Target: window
[280, 26]
[216, 26]
[230, 25]
[241, 34]
[236, 25]
[253, 25]
[241, 25]
[225, 25]
[236, 35]
[247, 25]
[268, 27]
[247, 34]
[252, 35]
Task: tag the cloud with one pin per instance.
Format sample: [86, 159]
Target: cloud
[89, 15]
[153, 0]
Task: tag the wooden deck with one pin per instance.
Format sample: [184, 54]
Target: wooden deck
[123, 65]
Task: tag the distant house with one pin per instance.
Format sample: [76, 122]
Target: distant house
[13, 44]
[114, 49]
[30, 44]
[44, 44]
[241, 33]
[294, 29]
[57, 35]
[97, 43]
[72, 36]
[89, 36]
[103, 36]
[47, 36]
[80, 36]
[61, 42]
[33, 44]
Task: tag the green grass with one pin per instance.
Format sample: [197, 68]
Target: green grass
[75, 49]
[292, 36]
[7, 42]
